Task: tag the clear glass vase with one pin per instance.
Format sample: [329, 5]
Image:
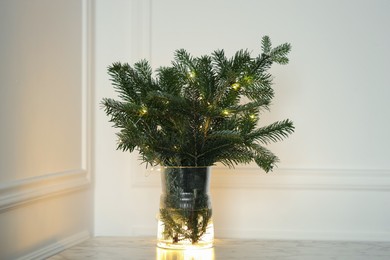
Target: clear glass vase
[185, 217]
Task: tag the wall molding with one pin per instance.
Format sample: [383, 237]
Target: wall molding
[308, 179]
[300, 178]
[58, 246]
[141, 30]
[17, 192]
[23, 191]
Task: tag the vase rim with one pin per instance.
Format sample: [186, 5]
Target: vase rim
[185, 167]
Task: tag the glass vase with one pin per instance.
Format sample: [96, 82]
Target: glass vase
[185, 216]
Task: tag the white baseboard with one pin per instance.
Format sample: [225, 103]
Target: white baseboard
[57, 247]
[144, 231]
[303, 235]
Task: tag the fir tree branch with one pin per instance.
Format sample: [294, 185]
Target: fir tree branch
[199, 110]
[272, 133]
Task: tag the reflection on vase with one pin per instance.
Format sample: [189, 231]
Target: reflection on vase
[189, 254]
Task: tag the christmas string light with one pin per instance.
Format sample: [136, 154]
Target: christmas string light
[225, 112]
[143, 111]
[236, 86]
[191, 74]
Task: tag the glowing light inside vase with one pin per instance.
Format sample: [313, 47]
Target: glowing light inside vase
[206, 240]
[169, 254]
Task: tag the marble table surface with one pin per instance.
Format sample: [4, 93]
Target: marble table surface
[140, 248]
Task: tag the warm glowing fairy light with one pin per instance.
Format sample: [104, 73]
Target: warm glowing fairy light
[143, 111]
[236, 86]
[225, 112]
[191, 74]
[248, 79]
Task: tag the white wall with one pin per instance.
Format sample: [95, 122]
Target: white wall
[333, 180]
[45, 97]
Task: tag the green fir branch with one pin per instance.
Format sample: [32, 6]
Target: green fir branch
[200, 110]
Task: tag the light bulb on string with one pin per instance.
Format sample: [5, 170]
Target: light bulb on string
[191, 74]
[236, 86]
[248, 79]
[143, 111]
[226, 112]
